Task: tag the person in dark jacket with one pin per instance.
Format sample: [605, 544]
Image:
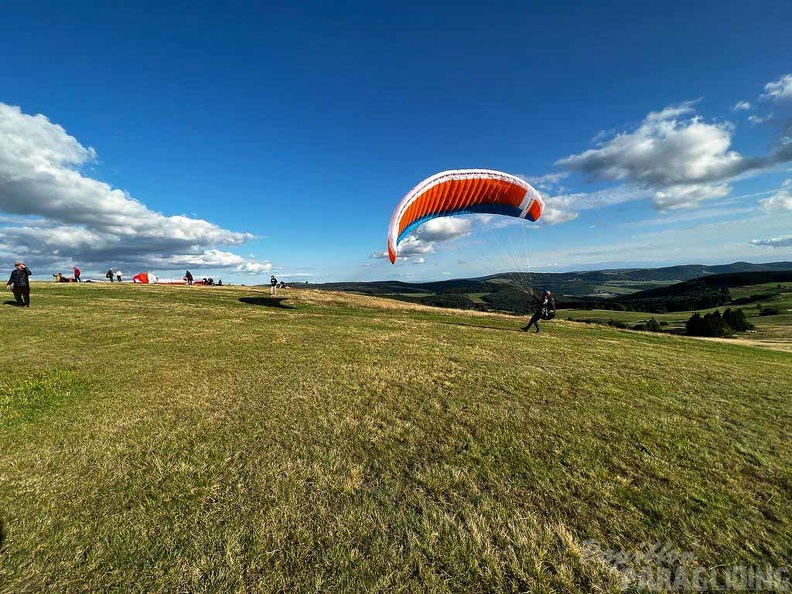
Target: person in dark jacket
[540, 306]
[273, 285]
[19, 283]
[188, 277]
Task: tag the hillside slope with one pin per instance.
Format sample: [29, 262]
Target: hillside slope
[216, 439]
[567, 283]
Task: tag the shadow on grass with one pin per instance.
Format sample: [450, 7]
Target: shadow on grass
[276, 302]
[8, 302]
[484, 326]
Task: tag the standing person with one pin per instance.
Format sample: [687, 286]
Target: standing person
[109, 275]
[188, 277]
[76, 272]
[273, 285]
[19, 283]
[542, 308]
[118, 275]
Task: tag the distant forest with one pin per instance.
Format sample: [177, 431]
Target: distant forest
[701, 293]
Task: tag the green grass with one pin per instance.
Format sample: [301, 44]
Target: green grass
[213, 439]
[771, 331]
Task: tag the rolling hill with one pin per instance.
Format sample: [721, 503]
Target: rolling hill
[601, 283]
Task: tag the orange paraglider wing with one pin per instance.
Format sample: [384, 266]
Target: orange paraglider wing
[463, 191]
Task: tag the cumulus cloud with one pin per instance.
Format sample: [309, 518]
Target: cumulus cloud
[774, 242]
[253, 267]
[411, 246]
[665, 150]
[555, 215]
[58, 215]
[780, 90]
[444, 229]
[676, 154]
[422, 240]
[781, 200]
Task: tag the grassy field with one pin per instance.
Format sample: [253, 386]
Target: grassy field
[215, 439]
[773, 331]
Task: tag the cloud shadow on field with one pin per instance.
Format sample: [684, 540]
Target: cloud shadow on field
[276, 302]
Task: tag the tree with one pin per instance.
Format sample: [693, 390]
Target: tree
[716, 326]
[695, 325]
[736, 319]
[653, 325]
[712, 324]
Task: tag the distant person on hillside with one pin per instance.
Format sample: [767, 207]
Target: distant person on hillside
[76, 272]
[273, 285]
[118, 275]
[542, 309]
[188, 277]
[219, 282]
[109, 275]
[19, 283]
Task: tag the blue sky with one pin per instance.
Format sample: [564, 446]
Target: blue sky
[244, 139]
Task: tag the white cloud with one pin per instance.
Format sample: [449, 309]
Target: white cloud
[59, 215]
[253, 267]
[301, 275]
[781, 200]
[664, 151]
[689, 216]
[422, 240]
[741, 106]
[683, 159]
[710, 242]
[555, 215]
[780, 90]
[566, 207]
[547, 181]
[685, 196]
[774, 242]
[755, 120]
[444, 229]
[412, 246]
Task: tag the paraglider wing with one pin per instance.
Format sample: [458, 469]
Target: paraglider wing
[462, 191]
